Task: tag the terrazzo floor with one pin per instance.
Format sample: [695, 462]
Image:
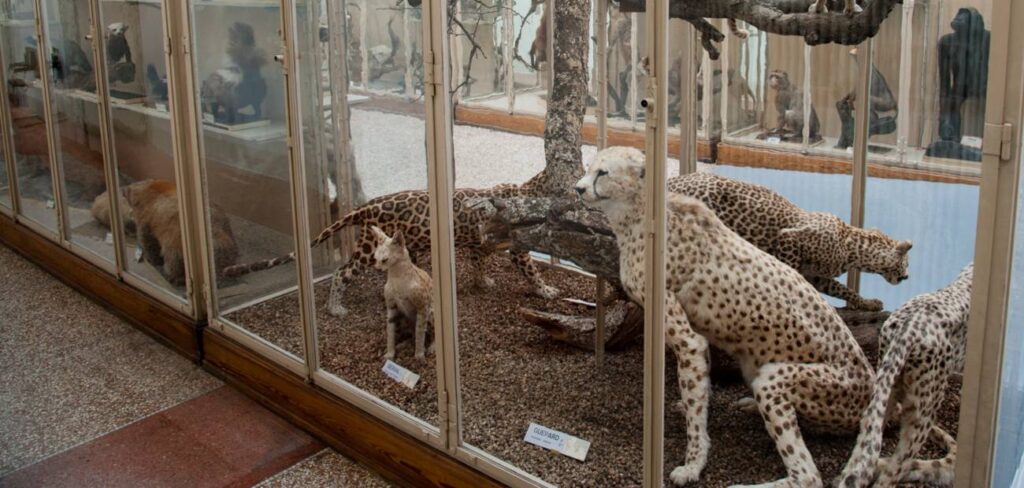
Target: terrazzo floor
[88, 400]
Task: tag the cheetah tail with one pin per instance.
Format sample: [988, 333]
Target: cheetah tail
[354, 217]
[861, 469]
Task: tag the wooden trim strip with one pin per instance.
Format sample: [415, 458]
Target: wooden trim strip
[379, 446]
[167, 325]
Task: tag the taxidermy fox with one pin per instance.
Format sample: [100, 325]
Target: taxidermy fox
[407, 291]
[239, 85]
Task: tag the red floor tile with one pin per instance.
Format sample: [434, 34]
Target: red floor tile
[220, 439]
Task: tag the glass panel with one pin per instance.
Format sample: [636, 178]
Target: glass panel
[28, 116]
[246, 163]
[1008, 466]
[368, 154]
[516, 379]
[141, 118]
[73, 101]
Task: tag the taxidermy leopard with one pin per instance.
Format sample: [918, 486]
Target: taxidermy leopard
[409, 212]
[796, 354]
[818, 245]
[924, 342]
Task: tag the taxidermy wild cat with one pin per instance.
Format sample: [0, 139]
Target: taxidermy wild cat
[239, 85]
[154, 209]
[407, 291]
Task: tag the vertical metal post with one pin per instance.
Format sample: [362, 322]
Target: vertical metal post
[860, 146]
[905, 78]
[807, 98]
[705, 101]
[300, 212]
[56, 168]
[364, 51]
[99, 56]
[441, 187]
[410, 92]
[654, 213]
[723, 94]
[688, 101]
[634, 97]
[508, 47]
[550, 47]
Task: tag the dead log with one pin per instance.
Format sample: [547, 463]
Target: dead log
[782, 17]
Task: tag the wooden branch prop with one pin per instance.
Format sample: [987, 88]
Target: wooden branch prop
[782, 17]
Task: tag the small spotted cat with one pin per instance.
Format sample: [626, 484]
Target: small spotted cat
[409, 212]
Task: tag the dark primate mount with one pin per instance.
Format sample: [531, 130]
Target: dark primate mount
[782, 17]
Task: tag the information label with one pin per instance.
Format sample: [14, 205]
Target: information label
[109, 239]
[50, 204]
[208, 118]
[560, 442]
[161, 107]
[971, 141]
[774, 140]
[400, 374]
[138, 254]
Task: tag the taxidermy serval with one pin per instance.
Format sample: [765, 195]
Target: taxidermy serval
[923, 344]
[406, 293]
[797, 356]
[409, 212]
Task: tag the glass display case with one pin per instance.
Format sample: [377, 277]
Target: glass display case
[640, 271]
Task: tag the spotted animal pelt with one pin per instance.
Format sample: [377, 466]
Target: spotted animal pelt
[796, 354]
[819, 245]
[408, 212]
[923, 344]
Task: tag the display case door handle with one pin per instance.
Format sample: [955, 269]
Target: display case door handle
[88, 37]
[279, 58]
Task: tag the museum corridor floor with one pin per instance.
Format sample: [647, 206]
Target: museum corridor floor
[87, 400]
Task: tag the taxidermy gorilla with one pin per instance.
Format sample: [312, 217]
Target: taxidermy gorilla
[239, 85]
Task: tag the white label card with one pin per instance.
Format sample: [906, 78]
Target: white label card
[163, 108]
[50, 204]
[138, 254]
[561, 442]
[971, 141]
[774, 140]
[109, 239]
[400, 374]
[208, 118]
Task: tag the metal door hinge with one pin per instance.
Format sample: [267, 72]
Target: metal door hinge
[997, 140]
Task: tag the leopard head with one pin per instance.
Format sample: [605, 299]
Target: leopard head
[884, 255]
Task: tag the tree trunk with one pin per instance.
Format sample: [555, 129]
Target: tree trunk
[563, 131]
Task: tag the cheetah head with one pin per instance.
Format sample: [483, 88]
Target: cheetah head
[389, 249]
[615, 178]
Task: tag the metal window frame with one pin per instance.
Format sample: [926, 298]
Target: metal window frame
[7, 143]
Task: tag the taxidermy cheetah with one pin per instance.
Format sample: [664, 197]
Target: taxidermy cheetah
[407, 291]
[409, 212]
[818, 245]
[796, 354]
[924, 343]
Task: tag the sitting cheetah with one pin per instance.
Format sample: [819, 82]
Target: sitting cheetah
[409, 212]
[796, 354]
[407, 291]
[818, 245]
[924, 342]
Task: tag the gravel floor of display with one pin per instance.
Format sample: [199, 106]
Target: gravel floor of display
[512, 374]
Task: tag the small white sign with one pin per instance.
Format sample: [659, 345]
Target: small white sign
[400, 374]
[138, 254]
[774, 140]
[109, 239]
[561, 442]
[971, 141]
[849, 150]
[208, 118]
[50, 204]
[163, 108]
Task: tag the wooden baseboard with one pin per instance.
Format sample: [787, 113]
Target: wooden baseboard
[384, 449]
[169, 326]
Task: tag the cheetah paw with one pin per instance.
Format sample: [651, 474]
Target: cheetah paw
[547, 291]
[746, 404]
[337, 311]
[687, 473]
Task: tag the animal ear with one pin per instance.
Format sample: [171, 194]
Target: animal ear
[903, 246]
[398, 238]
[381, 236]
